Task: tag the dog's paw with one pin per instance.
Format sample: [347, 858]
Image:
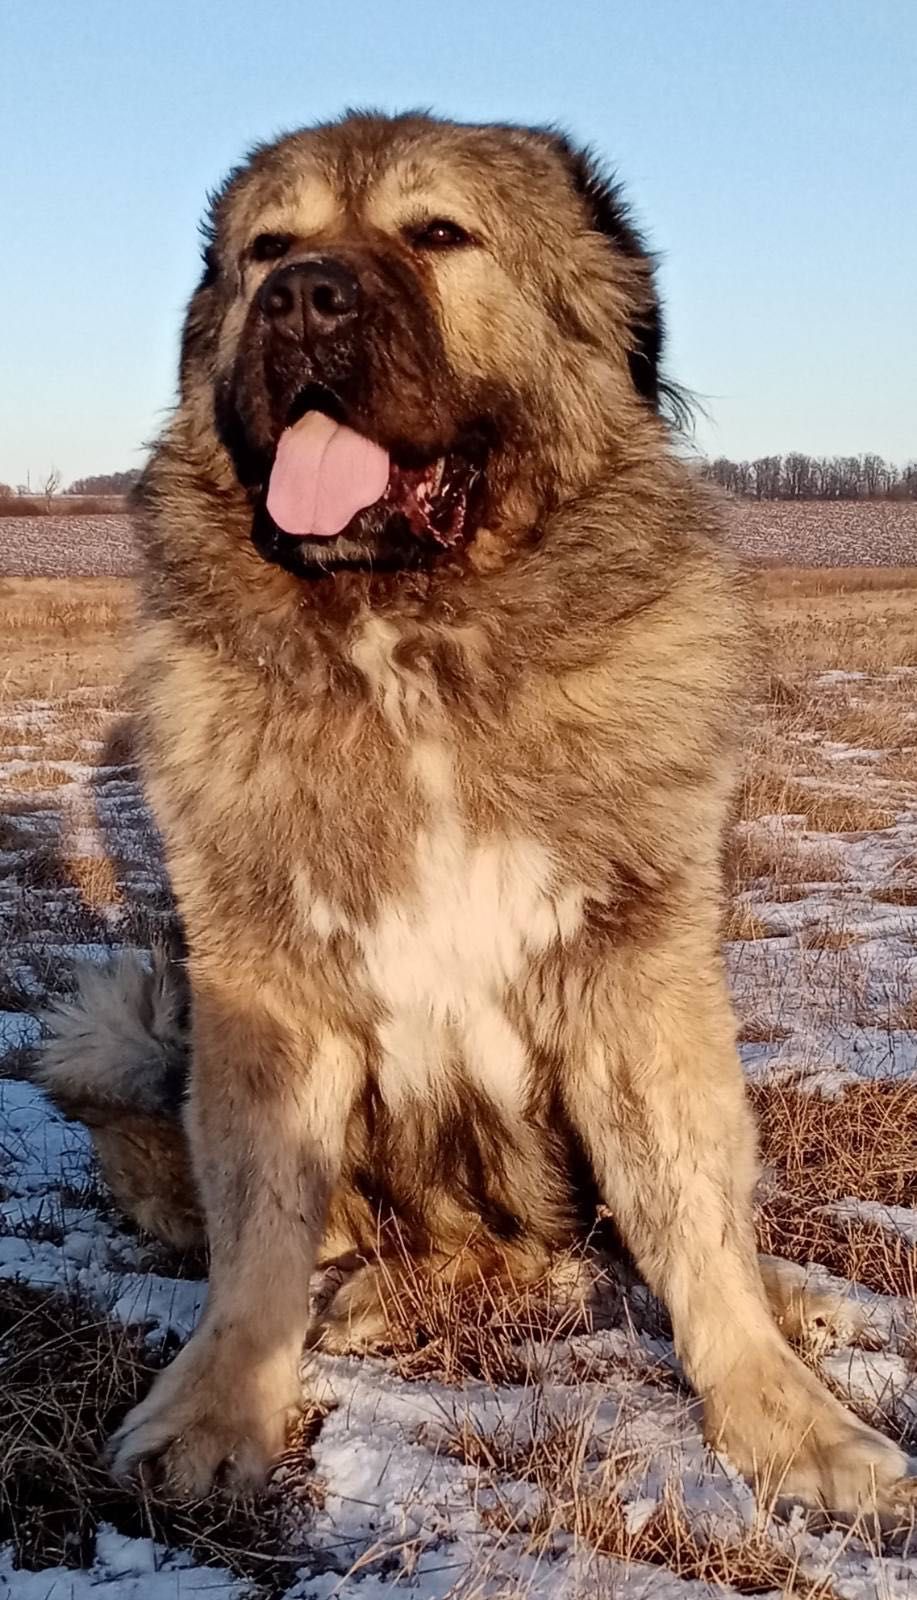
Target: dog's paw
[782, 1428]
[815, 1319]
[358, 1317]
[208, 1418]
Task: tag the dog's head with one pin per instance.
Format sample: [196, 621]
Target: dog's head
[409, 332]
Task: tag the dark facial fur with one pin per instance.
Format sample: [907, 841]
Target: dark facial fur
[543, 274]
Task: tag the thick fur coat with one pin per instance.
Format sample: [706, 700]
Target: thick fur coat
[443, 815]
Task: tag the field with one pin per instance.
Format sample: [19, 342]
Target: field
[540, 1447]
[821, 534]
[872, 533]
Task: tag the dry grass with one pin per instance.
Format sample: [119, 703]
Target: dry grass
[46, 607]
[780, 860]
[63, 505]
[768, 792]
[582, 1499]
[834, 621]
[95, 880]
[828, 938]
[69, 1376]
[896, 894]
[761, 1030]
[905, 1015]
[469, 1320]
[879, 726]
[37, 777]
[823, 1150]
[820, 583]
[69, 1373]
[843, 620]
[742, 923]
[61, 637]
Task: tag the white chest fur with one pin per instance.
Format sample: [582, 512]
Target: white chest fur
[440, 955]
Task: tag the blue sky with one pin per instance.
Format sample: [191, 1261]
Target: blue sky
[769, 146]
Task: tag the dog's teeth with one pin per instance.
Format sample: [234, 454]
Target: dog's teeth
[438, 471]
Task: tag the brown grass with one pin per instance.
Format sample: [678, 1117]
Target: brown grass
[823, 1150]
[469, 1322]
[72, 1373]
[769, 791]
[761, 1030]
[818, 583]
[742, 923]
[37, 777]
[896, 894]
[34, 606]
[62, 636]
[588, 1505]
[905, 1016]
[69, 1376]
[95, 878]
[881, 726]
[780, 859]
[64, 505]
[826, 938]
[21, 506]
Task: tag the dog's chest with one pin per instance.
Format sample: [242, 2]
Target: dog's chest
[467, 923]
[440, 953]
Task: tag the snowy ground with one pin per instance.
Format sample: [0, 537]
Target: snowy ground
[575, 1467]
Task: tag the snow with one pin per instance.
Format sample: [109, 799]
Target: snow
[40, 1153]
[826, 1059]
[17, 1030]
[899, 1220]
[41, 1156]
[393, 1506]
[834, 973]
[123, 1569]
[390, 1483]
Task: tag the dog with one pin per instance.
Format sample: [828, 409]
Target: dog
[440, 679]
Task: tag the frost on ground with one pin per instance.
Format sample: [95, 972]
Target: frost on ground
[553, 1452]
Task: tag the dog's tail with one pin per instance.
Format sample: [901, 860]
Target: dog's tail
[116, 1058]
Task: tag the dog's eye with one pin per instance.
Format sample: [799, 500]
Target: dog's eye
[270, 246]
[438, 234]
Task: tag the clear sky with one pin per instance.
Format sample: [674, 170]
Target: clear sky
[769, 146]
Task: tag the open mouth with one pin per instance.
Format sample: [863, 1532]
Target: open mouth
[330, 483]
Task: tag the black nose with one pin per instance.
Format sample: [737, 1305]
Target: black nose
[313, 298]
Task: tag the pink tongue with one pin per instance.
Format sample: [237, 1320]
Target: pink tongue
[323, 474]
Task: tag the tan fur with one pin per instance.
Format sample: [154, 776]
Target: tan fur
[446, 841]
[115, 1059]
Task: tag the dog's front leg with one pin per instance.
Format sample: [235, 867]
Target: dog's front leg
[266, 1120]
[655, 1089]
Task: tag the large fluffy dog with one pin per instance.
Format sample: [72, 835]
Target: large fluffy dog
[438, 683]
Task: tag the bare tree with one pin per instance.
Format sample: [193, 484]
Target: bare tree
[766, 476]
[50, 486]
[797, 476]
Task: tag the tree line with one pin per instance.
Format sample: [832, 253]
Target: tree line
[801, 477]
[106, 483]
[49, 485]
[790, 477]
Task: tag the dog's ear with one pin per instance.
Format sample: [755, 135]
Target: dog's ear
[609, 214]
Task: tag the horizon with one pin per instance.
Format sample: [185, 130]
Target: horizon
[37, 491]
[769, 156]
